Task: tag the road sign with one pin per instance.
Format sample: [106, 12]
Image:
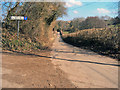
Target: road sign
[18, 18]
[25, 18]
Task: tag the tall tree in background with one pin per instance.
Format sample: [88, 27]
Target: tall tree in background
[41, 18]
[76, 23]
[93, 22]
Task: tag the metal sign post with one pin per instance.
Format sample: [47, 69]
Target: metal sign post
[18, 31]
[18, 18]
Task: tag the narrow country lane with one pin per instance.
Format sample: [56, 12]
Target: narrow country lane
[84, 68]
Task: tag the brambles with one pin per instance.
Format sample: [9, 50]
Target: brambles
[36, 32]
[104, 41]
[10, 42]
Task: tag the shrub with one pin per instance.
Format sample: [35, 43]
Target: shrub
[104, 41]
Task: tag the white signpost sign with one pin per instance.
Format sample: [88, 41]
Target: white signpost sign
[18, 18]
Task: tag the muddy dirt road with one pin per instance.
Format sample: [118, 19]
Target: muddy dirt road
[21, 70]
[64, 67]
[85, 69]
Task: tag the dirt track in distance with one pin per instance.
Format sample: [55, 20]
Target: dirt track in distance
[85, 69]
[65, 66]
